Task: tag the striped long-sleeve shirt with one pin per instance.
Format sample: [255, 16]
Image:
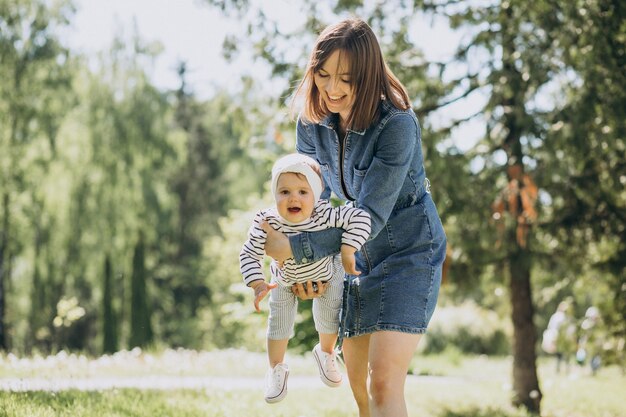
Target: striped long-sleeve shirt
[356, 225]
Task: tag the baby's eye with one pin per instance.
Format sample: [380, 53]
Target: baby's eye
[304, 192]
[284, 192]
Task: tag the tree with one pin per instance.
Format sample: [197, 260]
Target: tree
[120, 163]
[140, 321]
[586, 133]
[34, 67]
[131, 155]
[109, 319]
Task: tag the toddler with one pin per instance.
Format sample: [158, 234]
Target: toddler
[297, 187]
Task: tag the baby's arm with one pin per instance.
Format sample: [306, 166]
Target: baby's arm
[261, 289]
[250, 258]
[357, 226]
[348, 260]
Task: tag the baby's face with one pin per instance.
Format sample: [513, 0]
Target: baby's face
[294, 197]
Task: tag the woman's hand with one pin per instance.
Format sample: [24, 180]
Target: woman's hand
[309, 290]
[276, 244]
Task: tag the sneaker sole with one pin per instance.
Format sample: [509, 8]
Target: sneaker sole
[323, 377]
[283, 393]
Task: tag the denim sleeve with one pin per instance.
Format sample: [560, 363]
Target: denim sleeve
[384, 178]
[312, 246]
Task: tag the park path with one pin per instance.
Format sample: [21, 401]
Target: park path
[161, 382]
[228, 369]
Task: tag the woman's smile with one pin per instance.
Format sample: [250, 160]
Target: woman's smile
[335, 99]
[333, 82]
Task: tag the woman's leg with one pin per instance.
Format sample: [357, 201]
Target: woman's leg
[390, 355]
[355, 356]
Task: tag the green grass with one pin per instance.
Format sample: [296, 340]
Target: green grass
[449, 386]
[179, 403]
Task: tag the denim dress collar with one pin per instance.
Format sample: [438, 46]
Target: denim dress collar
[332, 122]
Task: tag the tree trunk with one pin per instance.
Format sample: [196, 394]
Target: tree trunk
[525, 381]
[109, 320]
[3, 336]
[141, 327]
[4, 271]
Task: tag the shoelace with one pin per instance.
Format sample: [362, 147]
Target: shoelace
[277, 375]
[330, 363]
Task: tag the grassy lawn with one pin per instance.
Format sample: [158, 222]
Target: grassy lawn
[441, 386]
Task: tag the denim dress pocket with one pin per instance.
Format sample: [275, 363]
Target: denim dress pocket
[357, 180]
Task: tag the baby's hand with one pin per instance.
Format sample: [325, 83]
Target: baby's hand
[261, 289]
[348, 260]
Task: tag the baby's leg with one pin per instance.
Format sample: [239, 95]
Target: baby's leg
[283, 307]
[326, 314]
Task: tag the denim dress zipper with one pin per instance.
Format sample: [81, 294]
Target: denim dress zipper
[342, 156]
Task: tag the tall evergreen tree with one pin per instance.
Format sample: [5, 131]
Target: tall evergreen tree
[587, 142]
[109, 317]
[140, 317]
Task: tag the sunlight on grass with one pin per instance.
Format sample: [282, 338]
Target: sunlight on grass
[447, 385]
[136, 362]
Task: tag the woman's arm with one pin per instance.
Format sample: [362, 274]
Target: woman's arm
[277, 246]
[381, 186]
[394, 151]
[312, 246]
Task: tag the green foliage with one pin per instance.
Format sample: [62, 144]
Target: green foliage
[232, 311]
[35, 96]
[469, 329]
[587, 134]
[128, 158]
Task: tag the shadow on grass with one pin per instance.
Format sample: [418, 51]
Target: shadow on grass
[485, 412]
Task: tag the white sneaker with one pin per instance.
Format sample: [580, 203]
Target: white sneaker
[276, 383]
[327, 365]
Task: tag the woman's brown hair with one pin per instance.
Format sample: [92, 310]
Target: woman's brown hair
[370, 77]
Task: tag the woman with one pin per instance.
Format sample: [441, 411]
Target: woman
[358, 124]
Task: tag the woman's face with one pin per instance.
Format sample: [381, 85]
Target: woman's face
[333, 82]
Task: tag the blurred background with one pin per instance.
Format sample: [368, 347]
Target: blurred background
[136, 140]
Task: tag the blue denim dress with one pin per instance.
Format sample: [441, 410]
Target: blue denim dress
[380, 170]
